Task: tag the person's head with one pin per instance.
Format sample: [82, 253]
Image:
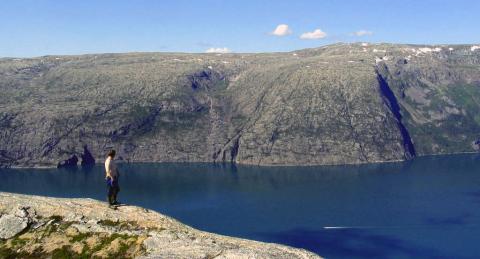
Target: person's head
[111, 153]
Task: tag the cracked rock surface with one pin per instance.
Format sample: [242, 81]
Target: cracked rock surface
[34, 226]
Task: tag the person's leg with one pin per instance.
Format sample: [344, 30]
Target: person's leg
[111, 193]
[116, 191]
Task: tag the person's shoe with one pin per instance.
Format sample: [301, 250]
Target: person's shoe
[116, 203]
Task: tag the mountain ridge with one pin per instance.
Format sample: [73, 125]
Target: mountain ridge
[243, 53]
[307, 107]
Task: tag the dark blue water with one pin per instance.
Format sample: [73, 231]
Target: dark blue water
[429, 207]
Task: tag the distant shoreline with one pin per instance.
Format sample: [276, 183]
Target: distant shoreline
[259, 165]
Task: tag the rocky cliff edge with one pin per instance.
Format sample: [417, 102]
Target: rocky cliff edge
[39, 227]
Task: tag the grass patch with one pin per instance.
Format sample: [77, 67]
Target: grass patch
[64, 253]
[108, 223]
[107, 241]
[18, 242]
[80, 237]
[9, 253]
[65, 225]
[122, 251]
[124, 225]
[104, 242]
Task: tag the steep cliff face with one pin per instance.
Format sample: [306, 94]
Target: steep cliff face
[438, 92]
[343, 103]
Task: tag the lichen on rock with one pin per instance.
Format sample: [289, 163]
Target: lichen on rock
[41, 227]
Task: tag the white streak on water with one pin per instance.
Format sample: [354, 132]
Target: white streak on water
[407, 226]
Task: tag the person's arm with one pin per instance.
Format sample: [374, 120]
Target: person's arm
[108, 170]
[107, 174]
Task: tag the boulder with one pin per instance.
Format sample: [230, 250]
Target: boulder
[11, 225]
[69, 163]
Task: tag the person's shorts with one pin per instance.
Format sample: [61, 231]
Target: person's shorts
[111, 182]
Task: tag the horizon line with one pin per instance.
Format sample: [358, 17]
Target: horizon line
[233, 52]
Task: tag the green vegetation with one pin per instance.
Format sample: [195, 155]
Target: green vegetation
[110, 223]
[467, 97]
[80, 237]
[65, 252]
[448, 132]
[18, 242]
[106, 245]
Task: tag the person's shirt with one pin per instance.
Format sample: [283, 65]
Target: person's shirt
[111, 168]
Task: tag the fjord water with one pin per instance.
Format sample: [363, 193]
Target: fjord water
[428, 207]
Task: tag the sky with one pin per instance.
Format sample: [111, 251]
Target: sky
[45, 27]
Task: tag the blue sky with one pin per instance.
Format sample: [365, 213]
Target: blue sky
[41, 27]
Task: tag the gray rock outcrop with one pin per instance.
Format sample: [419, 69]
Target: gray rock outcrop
[41, 227]
[11, 225]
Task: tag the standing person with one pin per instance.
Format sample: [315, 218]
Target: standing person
[112, 175]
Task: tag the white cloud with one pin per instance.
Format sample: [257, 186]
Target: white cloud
[316, 34]
[281, 30]
[361, 33]
[218, 50]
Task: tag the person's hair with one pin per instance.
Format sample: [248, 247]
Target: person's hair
[111, 153]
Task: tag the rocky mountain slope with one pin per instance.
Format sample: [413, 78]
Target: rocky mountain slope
[342, 103]
[40, 227]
